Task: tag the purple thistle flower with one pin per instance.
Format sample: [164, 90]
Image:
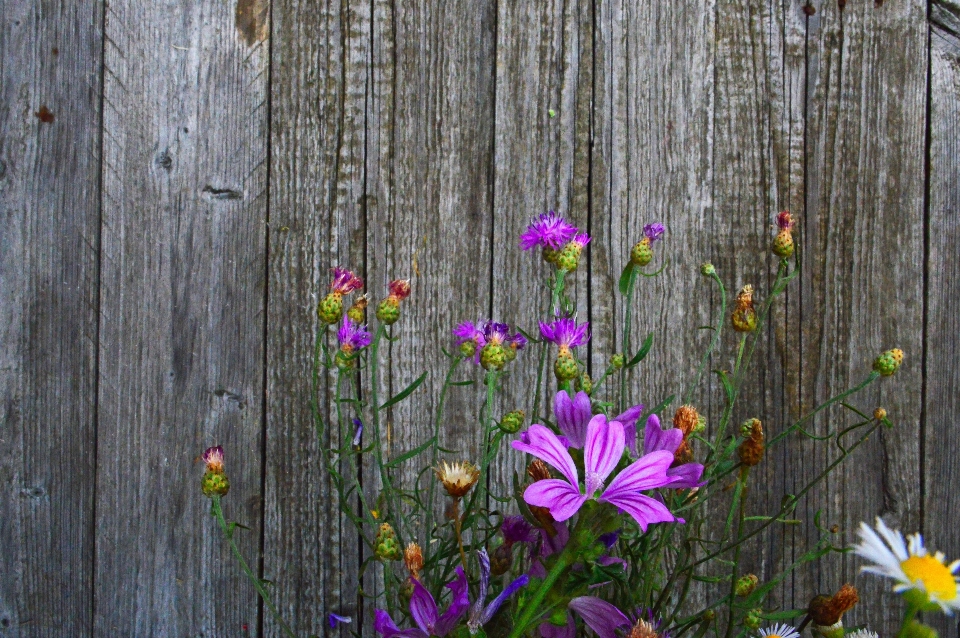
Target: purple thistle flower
[565, 332]
[549, 229]
[480, 615]
[599, 615]
[344, 281]
[580, 240]
[469, 331]
[517, 341]
[423, 609]
[653, 232]
[602, 451]
[335, 619]
[516, 529]
[496, 333]
[213, 457]
[352, 337]
[655, 439]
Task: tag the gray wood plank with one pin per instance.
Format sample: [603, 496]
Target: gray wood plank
[319, 86]
[865, 179]
[429, 161]
[544, 64]
[941, 401]
[50, 79]
[182, 313]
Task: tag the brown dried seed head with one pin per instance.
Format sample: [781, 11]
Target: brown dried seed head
[686, 418]
[643, 629]
[828, 610]
[751, 450]
[538, 471]
[413, 559]
[457, 478]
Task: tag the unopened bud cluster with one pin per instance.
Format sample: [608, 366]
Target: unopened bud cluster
[387, 547]
[888, 362]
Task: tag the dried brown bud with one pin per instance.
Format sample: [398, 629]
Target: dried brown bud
[686, 418]
[457, 478]
[544, 519]
[879, 414]
[643, 629]
[501, 560]
[413, 559]
[828, 610]
[751, 450]
[538, 471]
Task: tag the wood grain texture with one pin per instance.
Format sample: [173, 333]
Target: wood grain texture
[941, 400]
[50, 76]
[863, 242]
[182, 316]
[544, 64]
[319, 87]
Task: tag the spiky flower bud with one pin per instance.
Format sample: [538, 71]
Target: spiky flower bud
[468, 349]
[502, 560]
[707, 269]
[550, 255]
[457, 478]
[617, 361]
[388, 312]
[214, 481]
[783, 242]
[512, 421]
[565, 367]
[752, 619]
[387, 547]
[828, 610]
[745, 585]
[642, 252]
[751, 450]
[413, 559]
[493, 356]
[880, 414]
[888, 362]
[569, 257]
[585, 384]
[744, 316]
[330, 309]
[358, 311]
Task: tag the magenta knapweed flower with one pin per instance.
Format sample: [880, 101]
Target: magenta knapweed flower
[602, 451]
[496, 333]
[580, 240]
[565, 332]
[344, 281]
[549, 230]
[599, 615]
[213, 457]
[423, 609]
[352, 337]
[685, 476]
[517, 341]
[469, 331]
[481, 614]
[653, 232]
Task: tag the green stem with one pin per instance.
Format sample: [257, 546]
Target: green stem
[531, 607]
[713, 342]
[253, 578]
[873, 376]
[908, 618]
[534, 418]
[392, 502]
[625, 342]
[744, 474]
[434, 451]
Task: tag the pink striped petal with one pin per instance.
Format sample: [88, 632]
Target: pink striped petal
[655, 438]
[643, 509]
[600, 616]
[646, 473]
[562, 499]
[603, 449]
[544, 444]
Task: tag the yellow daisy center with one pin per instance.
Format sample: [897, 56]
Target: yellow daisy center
[932, 574]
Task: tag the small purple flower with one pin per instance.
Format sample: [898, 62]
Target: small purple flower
[496, 333]
[480, 614]
[516, 529]
[602, 451]
[565, 332]
[653, 232]
[358, 432]
[686, 476]
[580, 240]
[548, 230]
[423, 609]
[517, 341]
[352, 337]
[335, 619]
[599, 615]
[344, 281]
[213, 457]
[469, 331]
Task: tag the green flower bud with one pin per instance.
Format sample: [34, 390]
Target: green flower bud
[617, 361]
[389, 310]
[888, 362]
[752, 619]
[387, 545]
[585, 384]
[566, 368]
[344, 361]
[550, 255]
[642, 252]
[569, 258]
[215, 484]
[707, 269]
[468, 349]
[746, 585]
[493, 357]
[512, 421]
[783, 244]
[330, 309]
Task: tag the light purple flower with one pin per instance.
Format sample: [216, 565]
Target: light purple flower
[423, 609]
[549, 229]
[629, 421]
[565, 332]
[599, 615]
[336, 619]
[602, 451]
[352, 337]
[358, 432]
[653, 232]
[573, 416]
[517, 341]
[497, 333]
[344, 281]
[480, 614]
[686, 476]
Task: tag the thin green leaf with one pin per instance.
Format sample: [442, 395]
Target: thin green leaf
[642, 352]
[403, 394]
[663, 405]
[470, 382]
[626, 278]
[410, 454]
[727, 385]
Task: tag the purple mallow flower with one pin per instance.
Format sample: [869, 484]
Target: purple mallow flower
[599, 615]
[423, 609]
[629, 421]
[352, 337]
[565, 332]
[603, 449]
[480, 614]
[548, 230]
[653, 232]
[655, 439]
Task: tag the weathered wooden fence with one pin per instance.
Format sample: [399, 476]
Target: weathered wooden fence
[177, 176]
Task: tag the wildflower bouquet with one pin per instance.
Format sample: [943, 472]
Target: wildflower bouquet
[617, 516]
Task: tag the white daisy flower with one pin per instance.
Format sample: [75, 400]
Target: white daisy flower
[863, 633]
[910, 565]
[779, 631]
